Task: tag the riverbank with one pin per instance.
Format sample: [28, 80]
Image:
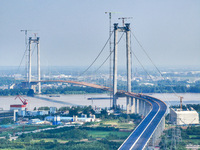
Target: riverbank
[82, 99]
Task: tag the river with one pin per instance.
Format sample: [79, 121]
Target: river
[70, 100]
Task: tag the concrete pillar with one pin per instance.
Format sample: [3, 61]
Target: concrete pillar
[155, 138]
[140, 107]
[38, 65]
[133, 105]
[144, 108]
[33, 87]
[115, 67]
[128, 105]
[137, 106]
[148, 108]
[29, 63]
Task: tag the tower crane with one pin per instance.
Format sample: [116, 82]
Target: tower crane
[26, 51]
[123, 18]
[23, 100]
[110, 43]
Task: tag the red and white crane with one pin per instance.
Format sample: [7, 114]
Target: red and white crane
[23, 100]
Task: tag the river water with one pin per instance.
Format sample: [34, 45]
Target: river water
[70, 100]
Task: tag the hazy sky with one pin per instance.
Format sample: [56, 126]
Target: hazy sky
[72, 33]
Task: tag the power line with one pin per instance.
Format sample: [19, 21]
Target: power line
[153, 63]
[97, 56]
[22, 59]
[33, 49]
[108, 55]
[146, 72]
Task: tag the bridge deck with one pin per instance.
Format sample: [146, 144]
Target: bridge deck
[144, 131]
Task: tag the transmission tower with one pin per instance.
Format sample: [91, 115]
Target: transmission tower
[173, 138]
[178, 135]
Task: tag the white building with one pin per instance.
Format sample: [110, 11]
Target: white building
[52, 110]
[70, 119]
[183, 117]
[17, 107]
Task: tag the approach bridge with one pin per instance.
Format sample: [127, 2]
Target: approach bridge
[153, 110]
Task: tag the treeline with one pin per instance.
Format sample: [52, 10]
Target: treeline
[70, 134]
[7, 81]
[136, 89]
[71, 90]
[13, 92]
[163, 86]
[166, 89]
[195, 106]
[191, 131]
[55, 145]
[6, 121]
[88, 90]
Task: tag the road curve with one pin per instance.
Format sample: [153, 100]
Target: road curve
[139, 138]
[144, 131]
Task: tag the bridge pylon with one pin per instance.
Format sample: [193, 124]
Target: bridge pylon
[125, 29]
[36, 40]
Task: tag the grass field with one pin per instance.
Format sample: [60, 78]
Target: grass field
[103, 134]
[115, 123]
[49, 140]
[23, 128]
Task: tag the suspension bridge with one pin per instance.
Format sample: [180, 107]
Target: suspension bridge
[150, 129]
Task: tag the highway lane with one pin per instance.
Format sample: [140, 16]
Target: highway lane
[141, 143]
[141, 135]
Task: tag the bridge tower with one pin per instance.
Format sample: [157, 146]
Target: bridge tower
[125, 29]
[36, 41]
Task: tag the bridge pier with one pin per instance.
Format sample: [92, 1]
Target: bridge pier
[128, 104]
[137, 106]
[157, 134]
[144, 108]
[146, 111]
[132, 105]
[140, 107]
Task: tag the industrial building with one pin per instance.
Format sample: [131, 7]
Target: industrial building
[11, 114]
[71, 119]
[184, 117]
